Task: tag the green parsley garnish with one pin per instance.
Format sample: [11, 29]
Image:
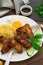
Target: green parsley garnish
[39, 10]
[35, 41]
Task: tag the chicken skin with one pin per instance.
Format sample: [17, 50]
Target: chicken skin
[23, 41]
[11, 43]
[25, 30]
[15, 44]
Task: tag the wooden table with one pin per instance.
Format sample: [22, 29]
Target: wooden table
[35, 60]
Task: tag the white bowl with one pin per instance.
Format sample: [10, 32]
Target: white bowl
[26, 13]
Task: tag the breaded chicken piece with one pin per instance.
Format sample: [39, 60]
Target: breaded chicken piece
[3, 39]
[16, 45]
[25, 30]
[5, 48]
[11, 43]
[23, 41]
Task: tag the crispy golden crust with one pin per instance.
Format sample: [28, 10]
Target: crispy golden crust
[25, 30]
[5, 48]
[16, 45]
[23, 41]
[11, 43]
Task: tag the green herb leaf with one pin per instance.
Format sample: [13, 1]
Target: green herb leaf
[36, 46]
[39, 10]
[38, 36]
[36, 41]
[41, 4]
[41, 16]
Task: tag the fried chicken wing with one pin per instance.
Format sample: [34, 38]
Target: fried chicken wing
[16, 45]
[25, 30]
[23, 41]
[11, 43]
[5, 48]
[3, 39]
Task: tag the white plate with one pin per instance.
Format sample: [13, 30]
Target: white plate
[23, 56]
